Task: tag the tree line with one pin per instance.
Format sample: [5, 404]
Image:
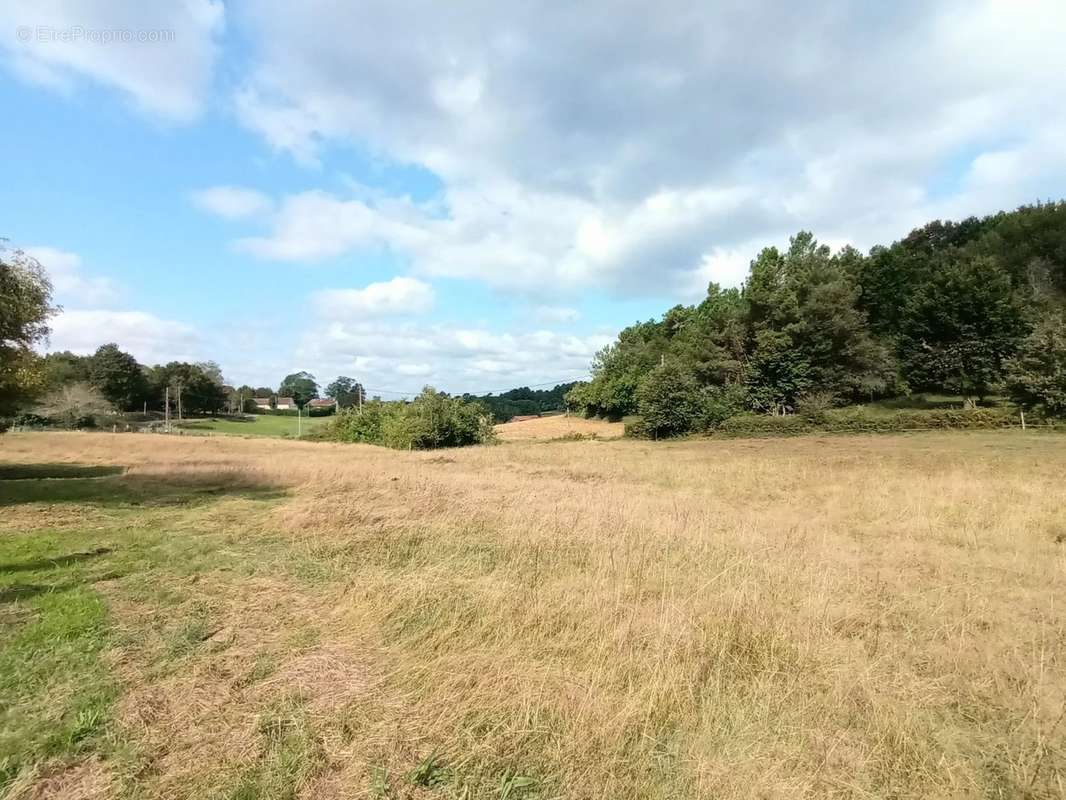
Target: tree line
[973, 308]
[72, 388]
[522, 401]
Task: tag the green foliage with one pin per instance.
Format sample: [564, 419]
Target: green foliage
[859, 419]
[118, 377]
[669, 402]
[198, 385]
[299, 385]
[431, 420]
[959, 327]
[25, 307]
[1036, 377]
[346, 391]
[523, 401]
[62, 368]
[944, 310]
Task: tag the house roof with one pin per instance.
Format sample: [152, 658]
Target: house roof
[322, 401]
[288, 401]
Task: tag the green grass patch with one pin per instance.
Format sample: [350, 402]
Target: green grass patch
[147, 541]
[260, 425]
[55, 690]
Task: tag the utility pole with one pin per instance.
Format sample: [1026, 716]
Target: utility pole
[299, 422]
[166, 409]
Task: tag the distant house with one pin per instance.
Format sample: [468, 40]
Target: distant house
[322, 402]
[286, 403]
[261, 402]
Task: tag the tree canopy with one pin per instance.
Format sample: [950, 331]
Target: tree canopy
[25, 307]
[301, 386]
[953, 307]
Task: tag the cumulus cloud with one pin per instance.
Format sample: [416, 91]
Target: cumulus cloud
[160, 55]
[397, 296]
[389, 356]
[150, 339]
[232, 202]
[73, 286]
[641, 156]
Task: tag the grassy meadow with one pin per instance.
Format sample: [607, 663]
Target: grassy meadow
[846, 617]
[256, 425]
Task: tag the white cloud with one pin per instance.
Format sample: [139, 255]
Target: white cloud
[150, 339]
[389, 356]
[397, 296]
[73, 287]
[646, 155]
[161, 55]
[232, 202]
[414, 370]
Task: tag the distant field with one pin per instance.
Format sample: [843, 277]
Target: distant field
[557, 427]
[260, 425]
[816, 617]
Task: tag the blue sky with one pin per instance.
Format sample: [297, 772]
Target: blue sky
[479, 200]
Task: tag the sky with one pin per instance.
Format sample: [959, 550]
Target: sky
[480, 195]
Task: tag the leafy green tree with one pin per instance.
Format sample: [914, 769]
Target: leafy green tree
[714, 342]
[25, 307]
[299, 385]
[669, 402]
[64, 368]
[119, 377]
[346, 391]
[806, 329]
[1036, 376]
[960, 327]
[196, 386]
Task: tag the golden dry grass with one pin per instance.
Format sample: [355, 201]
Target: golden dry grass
[558, 427]
[817, 617]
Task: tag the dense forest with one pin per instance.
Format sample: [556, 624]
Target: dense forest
[973, 309]
[523, 401]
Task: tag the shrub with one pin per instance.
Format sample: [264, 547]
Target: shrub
[669, 402]
[719, 403]
[430, 421]
[859, 419]
[633, 427]
[1036, 377]
[764, 425]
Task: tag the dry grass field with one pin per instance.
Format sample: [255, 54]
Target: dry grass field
[846, 617]
[558, 427]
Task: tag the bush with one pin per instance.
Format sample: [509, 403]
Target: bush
[719, 403]
[633, 427]
[859, 419]
[764, 425]
[430, 421]
[1036, 377]
[669, 402]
